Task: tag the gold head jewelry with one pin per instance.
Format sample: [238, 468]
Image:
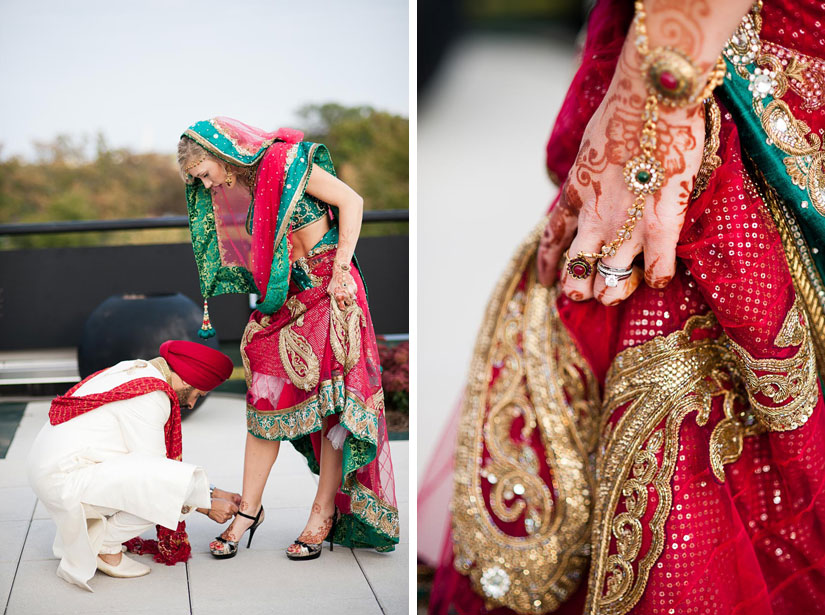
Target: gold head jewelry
[196, 163]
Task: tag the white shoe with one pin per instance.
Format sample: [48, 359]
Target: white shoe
[126, 569]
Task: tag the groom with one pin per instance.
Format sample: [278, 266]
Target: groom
[107, 465]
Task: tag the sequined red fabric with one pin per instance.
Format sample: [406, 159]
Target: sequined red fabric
[755, 543]
[170, 547]
[283, 351]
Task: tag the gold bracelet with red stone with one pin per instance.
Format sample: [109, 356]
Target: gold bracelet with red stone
[671, 78]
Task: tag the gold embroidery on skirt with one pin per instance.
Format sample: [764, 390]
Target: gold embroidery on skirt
[658, 384]
[790, 384]
[728, 437]
[252, 327]
[807, 282]
[710, 159]
[297, 357]
[345, 333]
[547, 386]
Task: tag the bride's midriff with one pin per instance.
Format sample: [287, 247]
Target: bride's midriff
[305, 238]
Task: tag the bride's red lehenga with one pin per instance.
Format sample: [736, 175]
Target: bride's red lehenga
[667, 455]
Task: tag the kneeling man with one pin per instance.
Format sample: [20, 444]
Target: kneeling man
[107, 465]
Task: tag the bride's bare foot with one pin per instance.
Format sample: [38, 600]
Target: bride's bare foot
[317, 527]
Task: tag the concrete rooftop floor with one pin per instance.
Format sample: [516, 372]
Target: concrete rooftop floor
[259, 580]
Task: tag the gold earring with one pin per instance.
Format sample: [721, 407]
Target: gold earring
[229, 178]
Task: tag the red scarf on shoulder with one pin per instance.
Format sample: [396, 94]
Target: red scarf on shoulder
[171, 547]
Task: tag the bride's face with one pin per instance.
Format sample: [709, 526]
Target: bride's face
[210, 172]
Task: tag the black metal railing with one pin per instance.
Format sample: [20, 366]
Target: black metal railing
[140, 224]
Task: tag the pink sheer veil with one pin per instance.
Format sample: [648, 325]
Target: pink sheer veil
[231, 204]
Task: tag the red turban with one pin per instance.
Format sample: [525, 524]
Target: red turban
[200, 366]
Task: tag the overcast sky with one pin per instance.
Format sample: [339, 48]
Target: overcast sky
[142, 71]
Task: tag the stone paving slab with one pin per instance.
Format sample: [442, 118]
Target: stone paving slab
[39, 541]
[12, 536]
[387, 576]
[7, 570]
[17, 503]
[37, 591]
[257, 580]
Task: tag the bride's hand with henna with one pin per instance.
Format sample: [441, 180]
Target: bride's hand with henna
[342, 287]
[594, 202]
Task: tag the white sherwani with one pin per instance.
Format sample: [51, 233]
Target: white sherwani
[111, 459]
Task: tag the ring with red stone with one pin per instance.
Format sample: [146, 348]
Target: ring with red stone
[579, 267]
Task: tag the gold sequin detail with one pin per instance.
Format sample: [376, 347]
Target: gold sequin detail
[523, 336]
[782, 392]
[807, 282]
[710, 159]
[252, 327]
[297, 357]
[345, 333]
[786, 69]
[657, 384]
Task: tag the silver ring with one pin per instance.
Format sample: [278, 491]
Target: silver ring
[612, 275]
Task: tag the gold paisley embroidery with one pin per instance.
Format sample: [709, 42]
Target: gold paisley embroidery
[660, 383]
[345, 333]
[782, 392]
[779, 69]
[790, 135]
[252, 327]
[805, 74]
[806, 279]
[535, 389]
[297, 357]
[710, 159]
[728, 437]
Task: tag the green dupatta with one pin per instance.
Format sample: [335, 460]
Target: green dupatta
[219, 274]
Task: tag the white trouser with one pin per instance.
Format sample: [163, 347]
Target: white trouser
[120, 527]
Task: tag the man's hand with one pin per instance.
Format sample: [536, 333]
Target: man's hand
[227, 495]
[222, 510]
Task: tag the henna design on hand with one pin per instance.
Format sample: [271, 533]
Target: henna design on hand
[678, 24]
[589, 163]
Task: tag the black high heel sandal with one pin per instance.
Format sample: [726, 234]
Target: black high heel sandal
[229, 548]
[311, 550]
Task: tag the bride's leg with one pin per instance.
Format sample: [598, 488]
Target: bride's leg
[329, 479]
[258, 459]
